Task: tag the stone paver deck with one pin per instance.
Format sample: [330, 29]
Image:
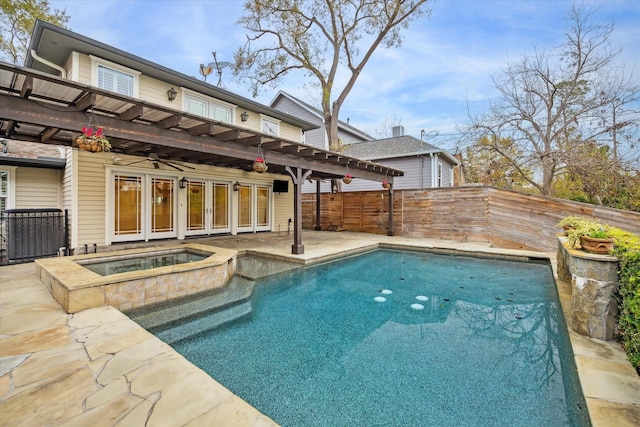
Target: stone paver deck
[99, 368]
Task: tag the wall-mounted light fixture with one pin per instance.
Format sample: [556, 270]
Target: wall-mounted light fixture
[236, 186]
[171, 94]
[244, 116]
[183, 182]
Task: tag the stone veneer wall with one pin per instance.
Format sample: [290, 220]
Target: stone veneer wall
[594, 279]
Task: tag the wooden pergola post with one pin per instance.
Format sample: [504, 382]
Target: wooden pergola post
[390, 226]
[318, 227]
[298, 179]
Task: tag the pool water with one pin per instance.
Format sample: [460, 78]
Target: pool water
[106, 268]
[485, 346]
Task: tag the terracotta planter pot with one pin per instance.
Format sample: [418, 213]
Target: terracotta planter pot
[596, 245]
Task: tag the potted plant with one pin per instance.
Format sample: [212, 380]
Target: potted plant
[589, 235]
[597, 242]
[347, 179]
[93, 140]
[259, 165]
[385, 184]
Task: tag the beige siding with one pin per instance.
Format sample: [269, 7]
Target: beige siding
[290, 132]
[283, 210]
[90, 188]
[38, 188]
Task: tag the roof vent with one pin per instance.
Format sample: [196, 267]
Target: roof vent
[397, 131]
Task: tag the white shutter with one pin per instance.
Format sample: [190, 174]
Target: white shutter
[115, 81]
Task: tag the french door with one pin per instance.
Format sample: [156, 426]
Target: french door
[208, 207]
[254, 208]
[144, 207]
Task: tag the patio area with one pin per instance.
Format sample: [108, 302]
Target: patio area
[98, 367]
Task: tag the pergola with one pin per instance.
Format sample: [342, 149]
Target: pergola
[41, 107]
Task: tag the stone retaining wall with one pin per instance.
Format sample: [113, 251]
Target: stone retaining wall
[593, 279]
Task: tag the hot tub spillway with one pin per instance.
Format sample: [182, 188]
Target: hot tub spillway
[182, 318]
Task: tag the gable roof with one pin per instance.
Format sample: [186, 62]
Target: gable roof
[345, 127]
[399, 146]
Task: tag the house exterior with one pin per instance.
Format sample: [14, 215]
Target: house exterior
[181, 155]
[316, 137]
[424, 165]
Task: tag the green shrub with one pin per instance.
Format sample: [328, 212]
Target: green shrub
[628, 295]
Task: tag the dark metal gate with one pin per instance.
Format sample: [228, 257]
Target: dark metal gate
[27, 234]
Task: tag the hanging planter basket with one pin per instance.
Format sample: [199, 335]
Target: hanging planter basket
[347, 179]
[92, 138]
[92, 144]
[259, 165]
[385, 184]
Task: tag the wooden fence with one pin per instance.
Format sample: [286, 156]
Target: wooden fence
[505, 218]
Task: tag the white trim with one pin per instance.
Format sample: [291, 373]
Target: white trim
[75, 66]
[11, 185]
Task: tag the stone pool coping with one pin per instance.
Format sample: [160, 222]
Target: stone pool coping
[77, 288]
[98, 366]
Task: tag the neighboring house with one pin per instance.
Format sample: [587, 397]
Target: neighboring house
[316, 137]
[424, 165]
[182, 149]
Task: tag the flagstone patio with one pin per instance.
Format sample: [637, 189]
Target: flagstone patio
[99, 368]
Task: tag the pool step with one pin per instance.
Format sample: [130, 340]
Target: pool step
[192, 314]
[205, 322]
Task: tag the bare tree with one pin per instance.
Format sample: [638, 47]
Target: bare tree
[551, 102]
[322, 38]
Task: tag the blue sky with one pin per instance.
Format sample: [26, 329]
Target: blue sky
[446, 61]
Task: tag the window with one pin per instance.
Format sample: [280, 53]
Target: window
[270, 127]
[439, 175]
[114, 77]
[206, 108]
[4, 190]
[115, 81]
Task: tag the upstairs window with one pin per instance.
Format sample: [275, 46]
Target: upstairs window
[207, 108]
[115, 81]
[114, 77]
[270, 127]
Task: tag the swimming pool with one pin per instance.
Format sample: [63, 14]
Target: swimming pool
[488, 346]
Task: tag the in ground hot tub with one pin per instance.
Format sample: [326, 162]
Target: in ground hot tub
[173, 272]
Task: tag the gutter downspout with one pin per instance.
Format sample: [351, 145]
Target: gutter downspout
[63, 72]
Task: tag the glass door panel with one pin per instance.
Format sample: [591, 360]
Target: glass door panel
[127, 207]
[196, 207]
[163, 207]
[263, 220]
[220, 217]
[245, 208]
